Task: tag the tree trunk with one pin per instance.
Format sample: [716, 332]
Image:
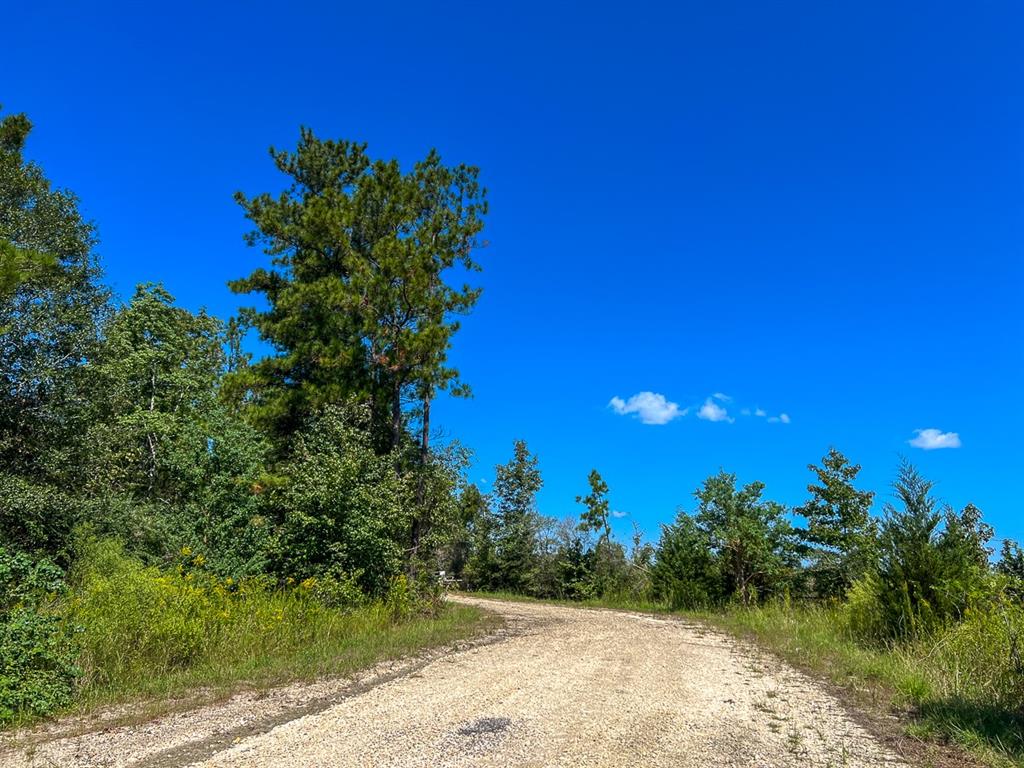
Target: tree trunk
[418, 524]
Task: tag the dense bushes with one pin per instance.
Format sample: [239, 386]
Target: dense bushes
[37, 660]
[343, 508]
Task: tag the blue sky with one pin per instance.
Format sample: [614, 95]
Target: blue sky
[812, 209]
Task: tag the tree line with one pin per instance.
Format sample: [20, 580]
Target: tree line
[914, 569]
[150, 423]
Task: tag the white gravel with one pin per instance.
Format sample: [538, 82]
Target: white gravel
[568, 687]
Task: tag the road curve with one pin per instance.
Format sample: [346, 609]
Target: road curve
[567, 687]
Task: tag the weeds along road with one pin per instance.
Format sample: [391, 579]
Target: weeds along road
[564, 687]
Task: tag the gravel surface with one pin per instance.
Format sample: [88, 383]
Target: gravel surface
[565, 687]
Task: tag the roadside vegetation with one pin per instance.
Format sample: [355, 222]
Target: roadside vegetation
[910, 611]
[175, 514]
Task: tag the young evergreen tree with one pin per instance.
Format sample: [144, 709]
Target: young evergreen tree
[1011, 566]
[932, 565]
[594, 517]
[516, 484]
[840, 530]
[686, 573]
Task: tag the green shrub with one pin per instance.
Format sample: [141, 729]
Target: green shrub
[343, 508]
[37, 660]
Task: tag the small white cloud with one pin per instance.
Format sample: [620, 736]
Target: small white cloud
[931, 439]
[650, 408]
[760, 412]
[619, 513]
[784, 418]
[712, 411]
[744, 411]
[723, 397]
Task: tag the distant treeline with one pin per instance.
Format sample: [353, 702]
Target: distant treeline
[917, 567]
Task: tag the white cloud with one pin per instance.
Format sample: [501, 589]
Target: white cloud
[931, 439]
[744, 411]
[784, 418]
[650, 408]
[719, 396]
[712, 411]
[619, 513]
[760, 412]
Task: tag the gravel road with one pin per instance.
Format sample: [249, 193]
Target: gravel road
[563, 687]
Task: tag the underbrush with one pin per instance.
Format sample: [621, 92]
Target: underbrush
[143, 632]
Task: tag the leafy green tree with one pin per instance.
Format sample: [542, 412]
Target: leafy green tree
[170, 465]
[357, 299]
[482, 570]
[342, 508]
[515, 499]
[609, 568]
[157, 369]
[840, 530]
[51, 310]
[751, 538]
[470, 506]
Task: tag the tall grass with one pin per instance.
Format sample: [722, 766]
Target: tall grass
[145, 632]
[960, 683]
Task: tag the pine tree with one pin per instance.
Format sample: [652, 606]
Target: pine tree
[840, 530]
